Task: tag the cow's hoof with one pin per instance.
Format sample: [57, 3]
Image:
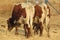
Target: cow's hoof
[48, 35]
[16, 33]
[28, 35]
[40, 34]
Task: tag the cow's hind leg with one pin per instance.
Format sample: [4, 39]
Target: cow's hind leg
[47, 25]
[48, 30]
[27, 30]
[17, 24]
[35, 31]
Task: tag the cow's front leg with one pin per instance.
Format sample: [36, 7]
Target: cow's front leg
[27, 30]
[35, 28]
[41, 29]
[16, 31]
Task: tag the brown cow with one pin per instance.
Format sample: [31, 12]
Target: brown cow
[38, 14]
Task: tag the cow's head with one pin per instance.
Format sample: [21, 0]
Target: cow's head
[9, 25]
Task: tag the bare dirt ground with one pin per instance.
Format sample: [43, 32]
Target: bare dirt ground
[5, 13]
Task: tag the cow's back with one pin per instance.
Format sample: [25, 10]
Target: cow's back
[38, 11]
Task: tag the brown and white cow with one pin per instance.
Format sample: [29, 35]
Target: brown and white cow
[41, 16]
[19, 11]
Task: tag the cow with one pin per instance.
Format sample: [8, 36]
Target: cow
[41, 16]
[17, 13]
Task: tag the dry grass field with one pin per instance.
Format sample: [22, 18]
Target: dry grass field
[6, 7]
